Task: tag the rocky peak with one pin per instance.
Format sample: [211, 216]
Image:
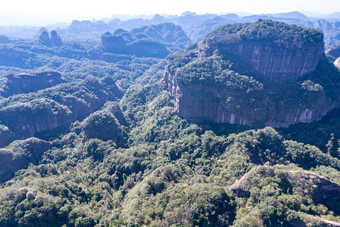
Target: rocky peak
[337, 63]
[45, 38]
[24, 83]
[55, 38]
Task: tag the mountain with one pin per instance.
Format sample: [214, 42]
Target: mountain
[147, 41]
[24, 83]
[262, 73]
[167, 33]
[333, 53]
[91, 136]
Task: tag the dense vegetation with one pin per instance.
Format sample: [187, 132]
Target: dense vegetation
[106, 148]
[289, 36]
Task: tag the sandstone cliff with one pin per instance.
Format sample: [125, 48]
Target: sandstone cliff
[20, 153]
[55, 107]
[275, 50]
[337, 63]
[24, 83]
[256, 80]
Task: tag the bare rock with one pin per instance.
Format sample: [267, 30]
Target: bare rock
[45, 38]
[55, 39]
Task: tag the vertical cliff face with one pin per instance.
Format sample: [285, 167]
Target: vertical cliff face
[24, 83]
[271, 61]
[252, 82]
[275, 50]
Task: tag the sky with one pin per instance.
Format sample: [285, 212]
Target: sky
[44, 12]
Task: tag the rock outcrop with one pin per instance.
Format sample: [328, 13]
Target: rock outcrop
[44, 38]
[20, 153]
[248, 74]
[304, 183]
[337, 63]
[275, 50]
[125, 43]
[24, 83]
[333, 53]
[55, 38]
[12, 56]
[58, 107]
[147, 41]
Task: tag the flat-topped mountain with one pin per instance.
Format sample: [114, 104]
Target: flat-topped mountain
[24, 83]
[148, 41]
[262, 73]
[276, 50]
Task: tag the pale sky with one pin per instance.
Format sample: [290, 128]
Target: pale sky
[44, 12]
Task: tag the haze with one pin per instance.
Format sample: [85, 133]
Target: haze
[42, 12]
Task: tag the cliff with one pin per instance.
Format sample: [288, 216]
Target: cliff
[55, 39]
[54, 108]
[337, 63]
[147, 41]
[303, 183]
[273, 49]
[247, 74]
[24, 83]
[20, 153]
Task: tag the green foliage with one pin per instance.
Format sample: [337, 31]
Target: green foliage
[289, 36]
[135, 162]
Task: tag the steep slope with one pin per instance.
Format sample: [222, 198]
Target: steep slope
[264, 73]
[24, 83]
[53, 107]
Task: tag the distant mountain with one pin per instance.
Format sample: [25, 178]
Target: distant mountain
[168, 33]
[335, 15]
[146, 41]
[291, 15]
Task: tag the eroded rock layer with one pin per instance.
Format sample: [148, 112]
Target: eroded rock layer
[248, 74]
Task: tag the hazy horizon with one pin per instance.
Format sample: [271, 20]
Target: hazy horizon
[39, 12]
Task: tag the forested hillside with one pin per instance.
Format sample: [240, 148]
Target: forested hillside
[98, 142]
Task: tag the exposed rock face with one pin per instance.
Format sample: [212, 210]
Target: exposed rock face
[337, 63]
[270, 56]
[35, 116]
[55, 39]
[19, 154]
[147, 41]
[24, 83]
[305, 183]
[11, 56]
[253, 83]
[45, 38]
[28, 118]
[125, 43]
[325, 191]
